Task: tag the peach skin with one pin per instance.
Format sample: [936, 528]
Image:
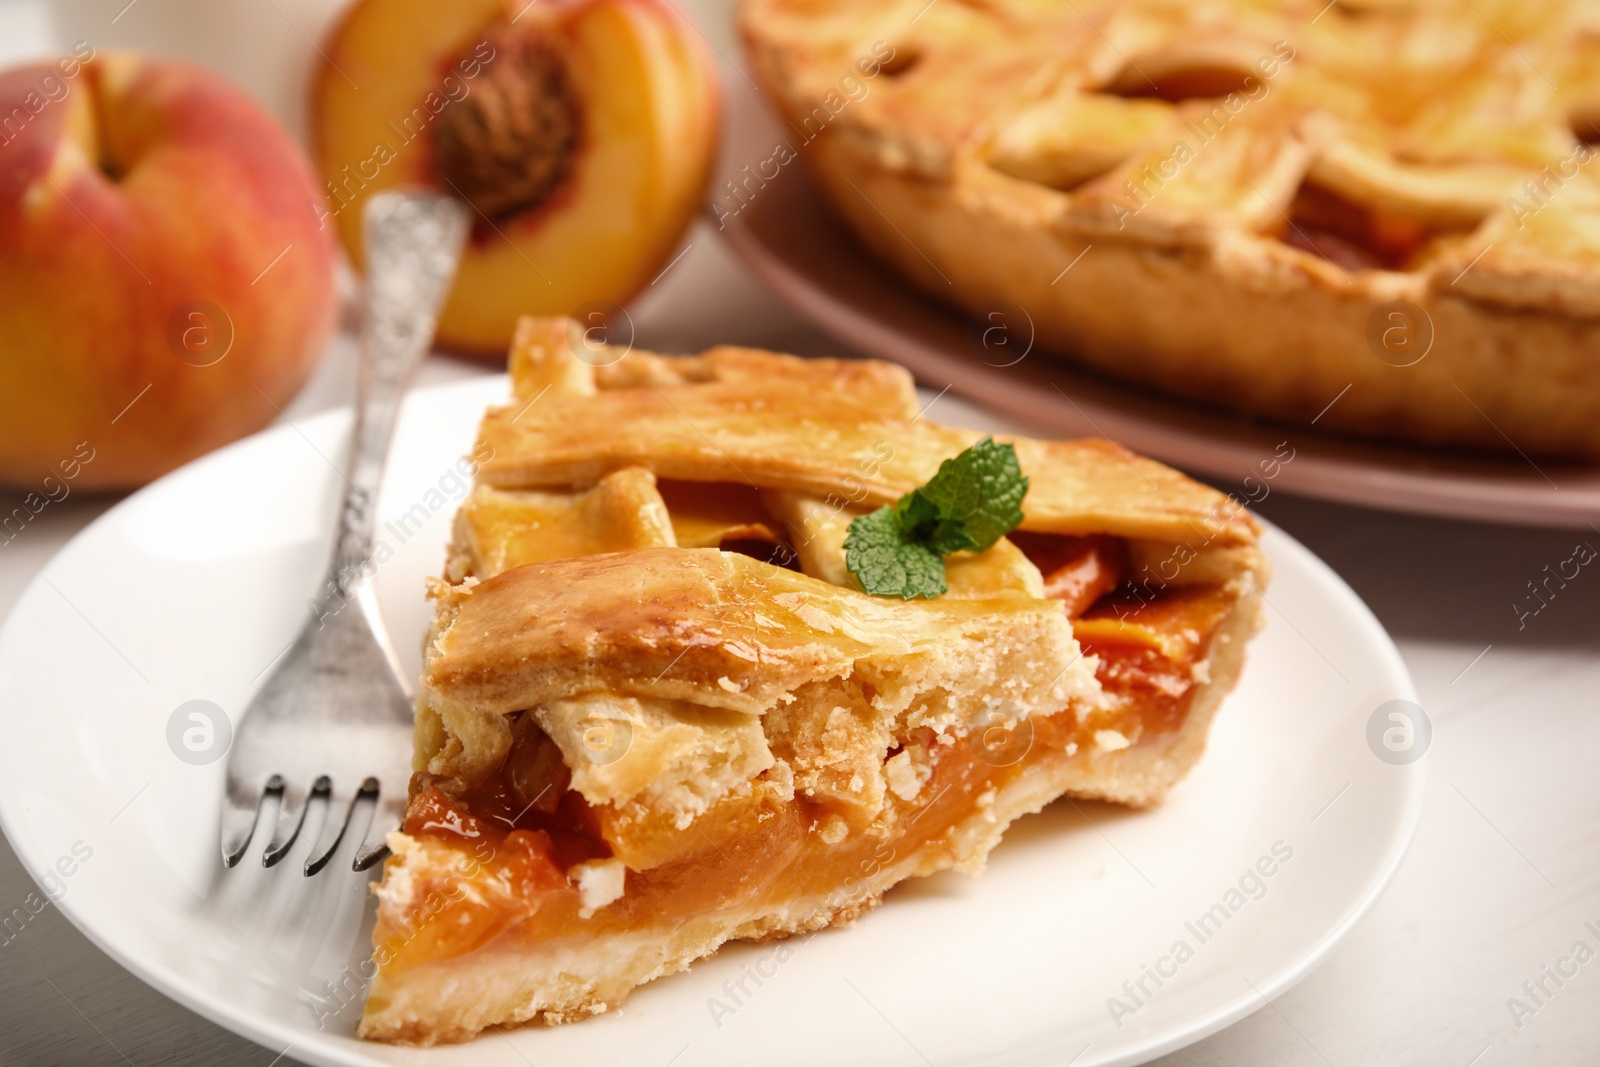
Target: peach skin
[164, 287]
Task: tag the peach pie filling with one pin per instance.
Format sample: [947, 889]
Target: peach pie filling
[524, 842]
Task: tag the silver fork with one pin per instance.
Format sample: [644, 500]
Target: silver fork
[333, 719]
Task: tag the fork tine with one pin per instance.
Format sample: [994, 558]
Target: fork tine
[341, 808]
[292, 807]
[386, 815]
[240, 809]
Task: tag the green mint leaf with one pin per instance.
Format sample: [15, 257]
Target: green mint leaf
[916, 514]
[887, 564]
[977, 498]
[970, 503]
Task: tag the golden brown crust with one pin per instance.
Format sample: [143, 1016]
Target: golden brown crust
[719, 628]
[987, 201]
[499, 529]
[556, 356]
[771, 436]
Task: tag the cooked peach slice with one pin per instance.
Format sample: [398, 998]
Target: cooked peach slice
[582, 132]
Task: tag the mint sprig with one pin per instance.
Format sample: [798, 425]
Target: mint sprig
[974, 500]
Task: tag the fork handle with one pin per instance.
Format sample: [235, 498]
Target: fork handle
[413, 242]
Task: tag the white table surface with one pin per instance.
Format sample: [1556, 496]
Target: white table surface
[1500, 880]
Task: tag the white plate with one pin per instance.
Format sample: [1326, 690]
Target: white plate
[189, 589]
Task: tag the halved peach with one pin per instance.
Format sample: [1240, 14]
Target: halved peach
[582, 131]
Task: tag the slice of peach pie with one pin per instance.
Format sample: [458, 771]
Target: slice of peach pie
[658, 710]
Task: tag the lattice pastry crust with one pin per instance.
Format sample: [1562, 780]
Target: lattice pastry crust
[1271, 201]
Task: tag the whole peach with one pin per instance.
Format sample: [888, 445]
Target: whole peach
[165, 286]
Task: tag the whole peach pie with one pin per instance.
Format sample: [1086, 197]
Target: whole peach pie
[1380, 216]
[658, 711]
